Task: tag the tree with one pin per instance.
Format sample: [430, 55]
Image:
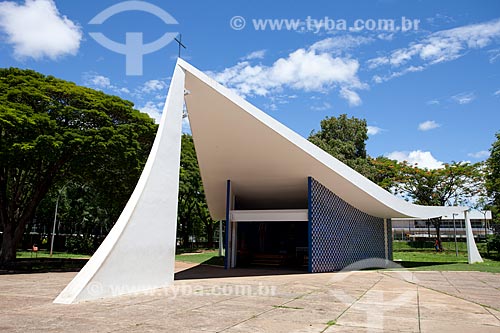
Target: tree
[493, 176]
[342, 137]
[345, 139]
[193, 215]
[383, 171]
[52, 131]
[458, 183]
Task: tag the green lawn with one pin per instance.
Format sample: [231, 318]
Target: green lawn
[46, 254]
[446, 261]
[420, 259]
[206, 257]
[399, 246]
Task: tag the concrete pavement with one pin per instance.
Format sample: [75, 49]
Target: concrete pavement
[209, 299]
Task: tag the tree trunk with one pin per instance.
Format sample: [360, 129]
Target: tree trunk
[8, 250]
[437, 225]
[210, 234]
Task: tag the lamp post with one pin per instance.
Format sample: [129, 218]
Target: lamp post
[55, 220]
[455, 232]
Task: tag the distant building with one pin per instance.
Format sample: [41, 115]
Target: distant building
[415, 229]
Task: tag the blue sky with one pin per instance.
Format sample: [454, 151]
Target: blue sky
[430, 94]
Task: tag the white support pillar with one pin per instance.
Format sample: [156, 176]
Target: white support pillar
[386, 240]
[473, 255]
[139, 252]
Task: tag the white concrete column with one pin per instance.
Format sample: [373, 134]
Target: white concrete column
[473, 255]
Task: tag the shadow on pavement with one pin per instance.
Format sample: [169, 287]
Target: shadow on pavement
[42, 265]
[209, 272]
[414, 264]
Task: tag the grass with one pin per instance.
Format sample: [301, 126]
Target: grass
[209, 257]
[46, 254]
[423, 260]
[402, 246]
[445, 261]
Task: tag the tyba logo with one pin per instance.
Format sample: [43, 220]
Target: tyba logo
[134, 48]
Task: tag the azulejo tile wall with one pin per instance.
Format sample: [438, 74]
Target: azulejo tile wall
[341, 234]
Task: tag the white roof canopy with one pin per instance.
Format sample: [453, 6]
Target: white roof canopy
[268, 162]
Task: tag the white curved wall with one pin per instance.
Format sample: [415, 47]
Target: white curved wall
[139, 252]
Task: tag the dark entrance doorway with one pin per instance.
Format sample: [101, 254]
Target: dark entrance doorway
[278, 244]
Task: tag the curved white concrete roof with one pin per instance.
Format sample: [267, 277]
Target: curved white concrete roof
[269, 162]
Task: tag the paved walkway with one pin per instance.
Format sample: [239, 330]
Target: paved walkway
[206, 299]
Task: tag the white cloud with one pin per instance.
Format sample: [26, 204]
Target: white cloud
[441, 46]
[422, 159]
[303, 69]
[153, 85]
[373, 130]
[255, 55]
[322, 107]
[428, 125]
[479, 154]
[153, 110]
[37, 30]
[440, 19]
[351, 96]
[100, 81]
[463, 98]
[410, 69]
[494, 55]
[386, 36]
[496, 93]
[433, 102]
[339, 44]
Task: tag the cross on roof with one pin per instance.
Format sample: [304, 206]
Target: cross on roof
[179, 41]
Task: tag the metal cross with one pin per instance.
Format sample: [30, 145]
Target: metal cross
[179, 41]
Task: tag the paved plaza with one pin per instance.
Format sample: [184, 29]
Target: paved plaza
[210, 299]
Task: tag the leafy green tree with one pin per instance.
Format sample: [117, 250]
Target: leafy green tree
[455, 184]
[52, 131]
[345, 139]
[493, 176]
[383, 171]
[458, 183]
[193, 215]
[342, 137]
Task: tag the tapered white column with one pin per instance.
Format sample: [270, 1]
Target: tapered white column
[139, 252]
[473, 255]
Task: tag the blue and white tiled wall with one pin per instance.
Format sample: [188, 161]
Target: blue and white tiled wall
[341, 234]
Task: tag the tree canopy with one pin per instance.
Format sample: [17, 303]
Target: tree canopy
[52, 131]
[342, 137]
[193, 216]
[493, 174]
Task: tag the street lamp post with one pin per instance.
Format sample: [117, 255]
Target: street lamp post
[55, 221]
[455, 232]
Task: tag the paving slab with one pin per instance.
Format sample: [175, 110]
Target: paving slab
[210, 299]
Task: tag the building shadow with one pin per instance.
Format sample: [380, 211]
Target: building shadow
[42, 265]
[203, 271]
[416, 264]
